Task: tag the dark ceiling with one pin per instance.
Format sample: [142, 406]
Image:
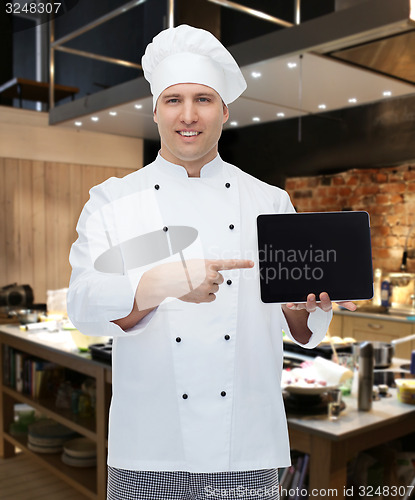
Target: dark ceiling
[371, 135]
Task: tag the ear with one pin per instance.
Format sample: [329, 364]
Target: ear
[155, 115]
[225, 113]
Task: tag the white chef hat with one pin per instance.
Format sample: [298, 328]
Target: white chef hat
[191, 55]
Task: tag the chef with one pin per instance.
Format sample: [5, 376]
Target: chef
[166, 263]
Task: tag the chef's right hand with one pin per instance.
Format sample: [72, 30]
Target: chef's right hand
[207, 278]
[197, 281]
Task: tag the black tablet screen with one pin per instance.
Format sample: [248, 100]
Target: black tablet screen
[313, 253]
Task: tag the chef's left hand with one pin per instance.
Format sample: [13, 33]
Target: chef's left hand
[325, 304]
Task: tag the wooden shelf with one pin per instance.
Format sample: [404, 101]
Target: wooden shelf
[31, 90]
[83, 479]
[84, 426]
[89, 481]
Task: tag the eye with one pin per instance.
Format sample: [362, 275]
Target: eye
[173, 100]
[203, 99]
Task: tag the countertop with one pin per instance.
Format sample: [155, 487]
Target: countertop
[389, 316]
[335, 443]
[352, 421]
[330, 442]
[59, 341]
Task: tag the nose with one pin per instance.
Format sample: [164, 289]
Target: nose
[189, 113]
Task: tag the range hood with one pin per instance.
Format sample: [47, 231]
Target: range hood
[380, 56]
[366, 48]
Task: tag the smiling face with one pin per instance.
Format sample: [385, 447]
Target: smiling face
[190, 119]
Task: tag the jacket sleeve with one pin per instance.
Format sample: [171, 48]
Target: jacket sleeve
[282, 204]
[318, 321]
[96, 298]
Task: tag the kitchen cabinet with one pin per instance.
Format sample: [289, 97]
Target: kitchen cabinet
[89, 481]
[336, 326]
[375, 327]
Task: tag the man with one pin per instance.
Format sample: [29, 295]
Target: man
[166, 263]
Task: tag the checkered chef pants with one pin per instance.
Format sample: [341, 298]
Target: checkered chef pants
[178, 485]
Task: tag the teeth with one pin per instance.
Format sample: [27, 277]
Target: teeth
[188, 133]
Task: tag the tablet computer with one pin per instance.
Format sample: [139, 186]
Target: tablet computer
[302, 253]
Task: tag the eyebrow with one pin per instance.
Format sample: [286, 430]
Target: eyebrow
[199, 94]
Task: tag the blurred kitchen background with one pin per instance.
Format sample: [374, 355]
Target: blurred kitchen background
[328, 114]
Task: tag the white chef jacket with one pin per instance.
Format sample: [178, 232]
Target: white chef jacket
[196, 387]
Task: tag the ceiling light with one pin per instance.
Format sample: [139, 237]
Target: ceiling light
[256, 74]
[322, 106]
[113, 113]
[352, 100]
[138, 106]
[256, 119]
[292, 65]
[94, 118]
[280, 115]
[387, 93]
[78, 124]
[234, 124]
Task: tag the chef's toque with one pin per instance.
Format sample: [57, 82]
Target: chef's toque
[191, 55]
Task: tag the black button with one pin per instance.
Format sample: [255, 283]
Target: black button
[227, 185]
[227, 337]
[185, 396]
[178, 339]
[165, 229]
[229, 282]
[223, 394]
[156, 186]
[231, 226]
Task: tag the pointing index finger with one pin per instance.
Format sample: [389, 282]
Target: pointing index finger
[225, 264]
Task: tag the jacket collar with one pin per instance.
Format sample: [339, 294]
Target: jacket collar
[214, 168]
